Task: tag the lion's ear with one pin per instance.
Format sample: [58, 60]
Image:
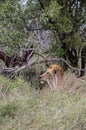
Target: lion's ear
[50, 66]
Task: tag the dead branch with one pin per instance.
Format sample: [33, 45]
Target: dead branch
[30, 64]
[18, 59]
[30, 55]
[59, 60]
[21, 60]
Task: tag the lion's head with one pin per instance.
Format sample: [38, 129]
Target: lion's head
[53, 75]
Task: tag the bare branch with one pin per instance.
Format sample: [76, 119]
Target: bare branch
[30, 64]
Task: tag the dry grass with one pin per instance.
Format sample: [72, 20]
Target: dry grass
[74, 84]
[24, 108]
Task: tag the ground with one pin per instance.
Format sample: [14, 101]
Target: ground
[22, 107]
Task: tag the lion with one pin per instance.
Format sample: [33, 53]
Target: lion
[53, 76]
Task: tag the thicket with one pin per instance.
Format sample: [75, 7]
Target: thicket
[57, 27]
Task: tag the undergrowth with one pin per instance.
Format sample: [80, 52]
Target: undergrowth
[22, 107]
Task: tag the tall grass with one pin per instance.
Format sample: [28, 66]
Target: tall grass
[22, 107]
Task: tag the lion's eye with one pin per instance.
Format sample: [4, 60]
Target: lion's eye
[55, 71]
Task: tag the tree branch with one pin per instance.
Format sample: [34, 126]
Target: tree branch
[41, 4]
[18, 69]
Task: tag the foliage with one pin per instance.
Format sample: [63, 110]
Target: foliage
[12, 32]
[74, 40]
[65, 24]
[57, 50]
[60, 16]
[68, 24]
[52, 11]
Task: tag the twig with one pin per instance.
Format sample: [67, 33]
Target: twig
[30, 55]
[40, 55]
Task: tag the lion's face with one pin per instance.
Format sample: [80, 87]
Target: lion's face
[53, 75]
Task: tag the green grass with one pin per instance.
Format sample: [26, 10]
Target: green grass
[8, 109]
[22, 107]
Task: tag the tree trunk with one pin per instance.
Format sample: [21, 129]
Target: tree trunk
[83, 61]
